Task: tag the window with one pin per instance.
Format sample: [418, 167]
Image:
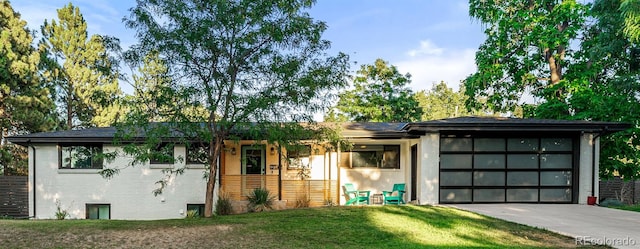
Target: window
[162, 154]
[98, 211]
[79, 156]
[298, 157]
[372, 156]
[197, 153]
[197, 208]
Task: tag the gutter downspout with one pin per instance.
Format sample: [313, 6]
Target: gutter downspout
[593, 160]
[34, 176]
[279, 172]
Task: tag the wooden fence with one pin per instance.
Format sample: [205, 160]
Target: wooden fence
[626, 191]
[317, 191]
[14, 196]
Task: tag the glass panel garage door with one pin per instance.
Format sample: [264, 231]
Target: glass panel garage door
[491, 170]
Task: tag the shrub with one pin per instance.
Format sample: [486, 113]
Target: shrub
[260, 199]
[223, 205]
[191, 214]
[303, 201]
[611, 203]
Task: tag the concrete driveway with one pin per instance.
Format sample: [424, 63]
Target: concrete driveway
[588, 224]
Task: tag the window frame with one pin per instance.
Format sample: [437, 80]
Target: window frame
[157, 150]
[198, 207]
[295, 157]
[189, 152]
[98, 205]
[382, 151]
[94, 148]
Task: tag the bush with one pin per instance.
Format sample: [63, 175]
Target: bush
[611, 203]
[303, 201]
[191, 214]
[260, 199]
[223, 205]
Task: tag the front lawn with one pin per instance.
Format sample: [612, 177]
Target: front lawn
[635, 208]
[335, 227]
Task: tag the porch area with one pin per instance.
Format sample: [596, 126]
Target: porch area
[318, 192]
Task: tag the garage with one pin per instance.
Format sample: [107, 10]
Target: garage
[490, 168]
[508, 160]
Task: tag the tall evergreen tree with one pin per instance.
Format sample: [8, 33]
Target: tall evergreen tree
[24, 102]
[85, 80]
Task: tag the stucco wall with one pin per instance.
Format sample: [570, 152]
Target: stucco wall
[129, 193]
[377, 180]
[585, 179]
[428, 166]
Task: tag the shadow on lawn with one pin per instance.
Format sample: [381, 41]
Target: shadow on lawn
[469, 230]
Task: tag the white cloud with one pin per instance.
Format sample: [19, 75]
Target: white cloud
[431, 64]
[426, 48]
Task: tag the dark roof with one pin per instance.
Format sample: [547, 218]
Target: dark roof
[374, 130]
[368, 130]
[513, 124]
[90, 135]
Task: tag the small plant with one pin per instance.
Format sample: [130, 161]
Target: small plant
[61, 213]
[223, 205]
[191, 214]
[329, 203]
[260, 199]
[303, 201]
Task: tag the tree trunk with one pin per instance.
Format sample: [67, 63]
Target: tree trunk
[70, 109]
[211, 181]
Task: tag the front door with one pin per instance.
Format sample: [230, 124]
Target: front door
[253, 166]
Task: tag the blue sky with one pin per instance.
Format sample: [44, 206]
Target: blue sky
[433, 40]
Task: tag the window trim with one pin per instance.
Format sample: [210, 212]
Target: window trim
[95, 163]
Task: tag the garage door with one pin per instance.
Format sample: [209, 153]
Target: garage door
[506, 169]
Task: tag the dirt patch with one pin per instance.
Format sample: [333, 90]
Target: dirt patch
[174, 237]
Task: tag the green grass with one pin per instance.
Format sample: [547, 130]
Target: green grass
[404, 226]
[635, 208]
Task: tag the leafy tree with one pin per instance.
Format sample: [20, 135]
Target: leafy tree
[80, 69]
[24, 102]
[604, 86]
[442, 102]
[256, 67]
[630, 10]
[380, 95]
[526, 50]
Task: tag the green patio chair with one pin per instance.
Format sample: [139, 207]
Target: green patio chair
[355, 196]
[394, 196]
